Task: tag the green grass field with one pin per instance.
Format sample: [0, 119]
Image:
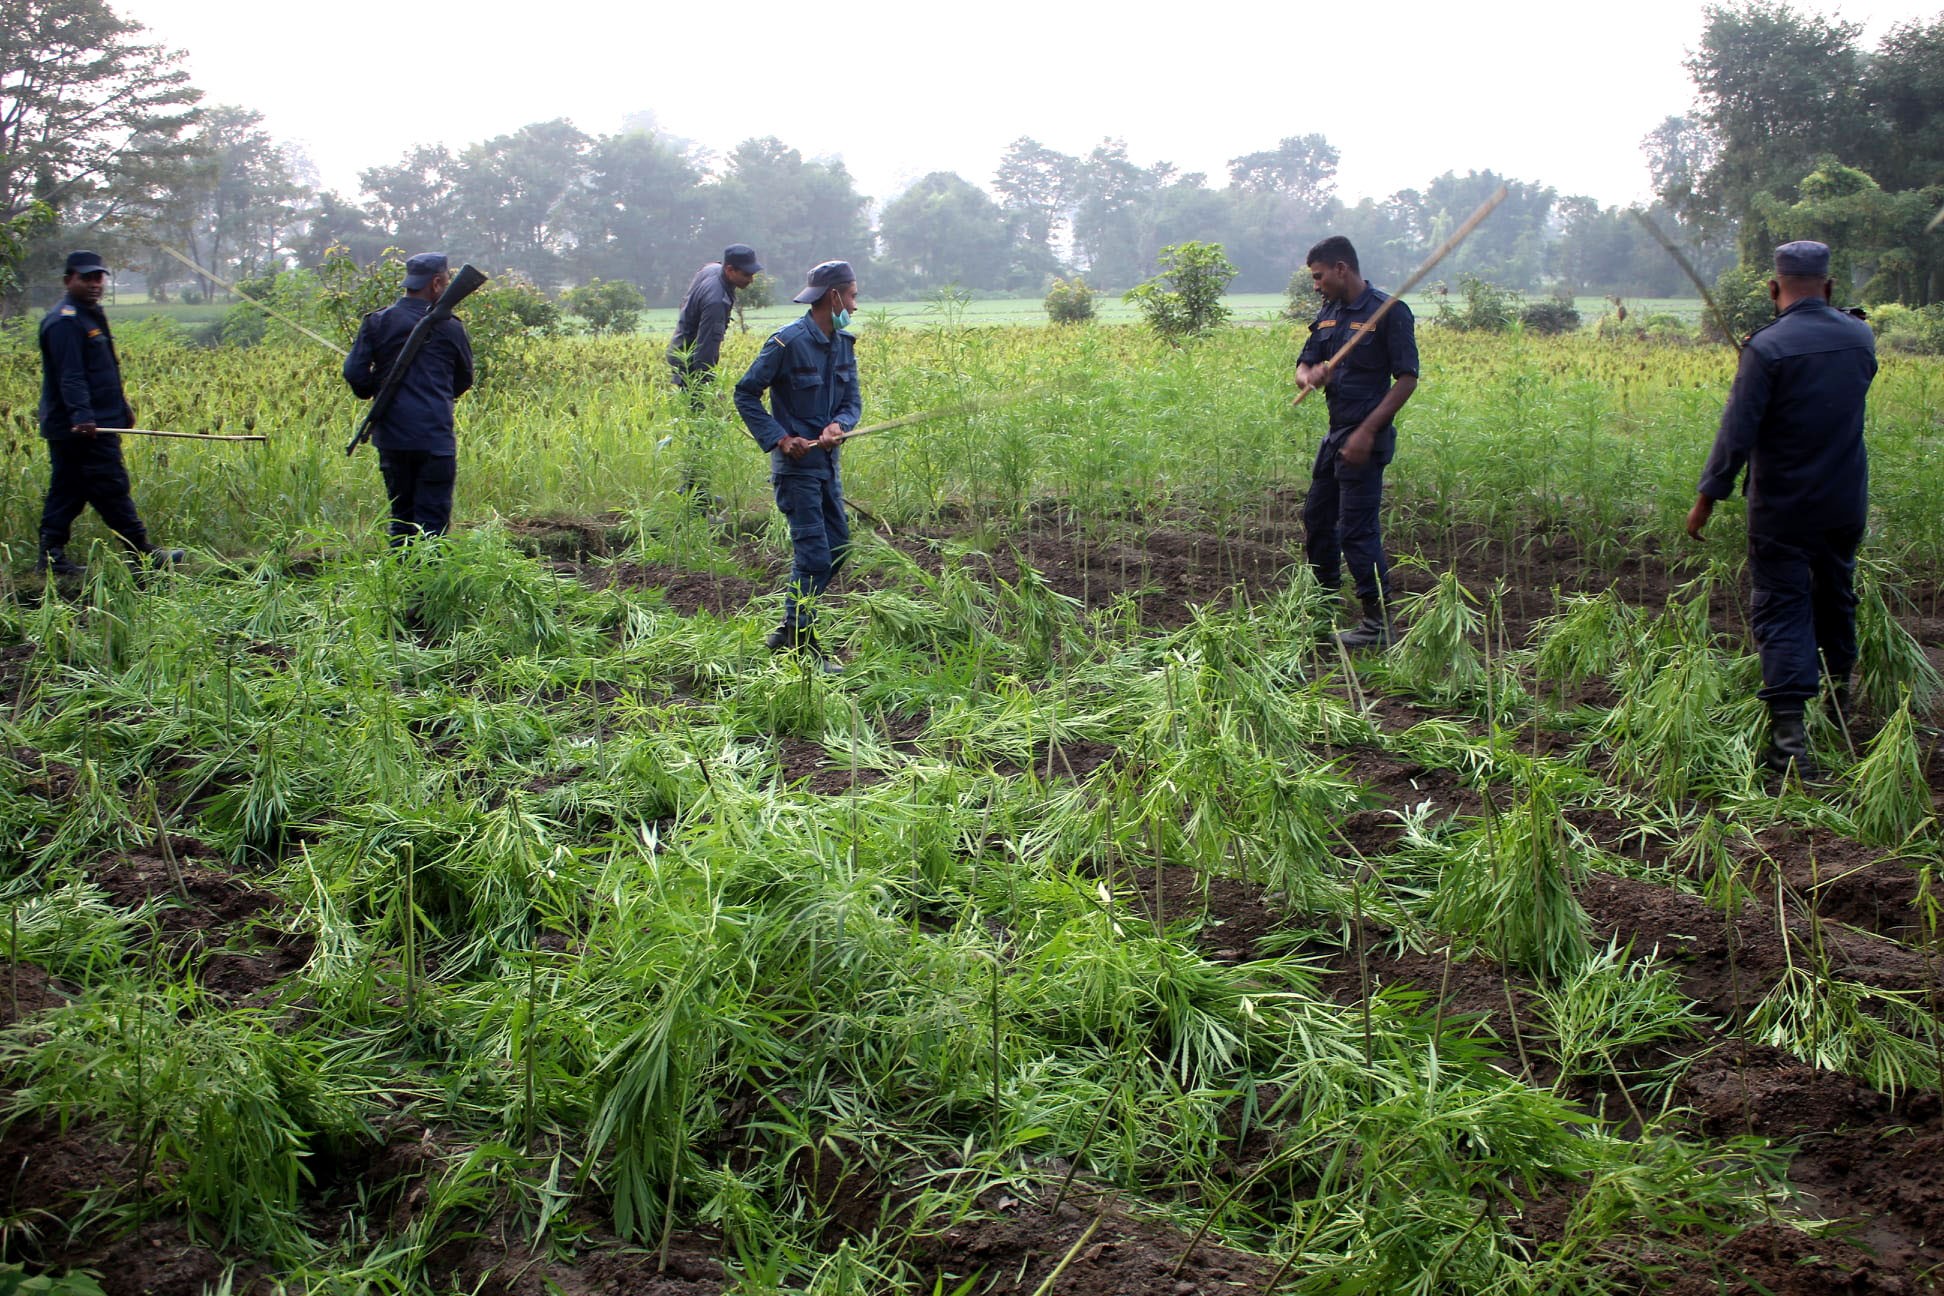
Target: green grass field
[1246, 308]
[500, 916]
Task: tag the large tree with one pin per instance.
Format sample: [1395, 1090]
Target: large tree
[794, 212]
[86, 106]
[1776, 88]
[1035, 186]
[944, 229]
[237, 207]
[517, 193]
[415, 200]
[638, 212]
[1279, 198]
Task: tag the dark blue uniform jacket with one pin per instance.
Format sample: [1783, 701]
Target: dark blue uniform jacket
[812, 382]
[702, 320]
[420, 417]
[1360, 382]
[80, 375]
[1795, 417]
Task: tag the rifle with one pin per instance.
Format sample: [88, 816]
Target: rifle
[463, 285]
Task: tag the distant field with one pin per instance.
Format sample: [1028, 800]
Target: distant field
[1245, 308]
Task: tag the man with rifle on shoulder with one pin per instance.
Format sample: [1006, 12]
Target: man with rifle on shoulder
[414, 388]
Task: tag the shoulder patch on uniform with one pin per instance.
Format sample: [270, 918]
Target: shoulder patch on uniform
[94, 332]
[1329, 323]
[67, 310]
[776, 339]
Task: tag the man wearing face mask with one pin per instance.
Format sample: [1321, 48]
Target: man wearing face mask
[809, 369]
[1795, 419]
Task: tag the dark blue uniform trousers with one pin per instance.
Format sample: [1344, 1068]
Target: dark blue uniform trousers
[88, 470]
[819, 537]
[1803, 612]
[419, 485]
[1340, 522]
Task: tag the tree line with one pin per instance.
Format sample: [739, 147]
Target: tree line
[1796, 132]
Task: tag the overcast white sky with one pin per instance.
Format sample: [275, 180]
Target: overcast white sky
[1559, 93]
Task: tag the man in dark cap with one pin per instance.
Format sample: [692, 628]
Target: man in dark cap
[81, 404]
[418, 452]
[1795, 419]
[1341, 513]
[809, 368]
[704, 316]
[700, 324]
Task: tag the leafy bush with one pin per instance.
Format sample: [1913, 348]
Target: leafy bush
[1911, 330]
[1299, 299]
[760, 293]
[1742, 294]
[1488, 308]
[613, 306]
[1185, 299]
[1555, 315]
[1070, 301]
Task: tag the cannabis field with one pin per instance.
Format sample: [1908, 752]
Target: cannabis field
[503, 918]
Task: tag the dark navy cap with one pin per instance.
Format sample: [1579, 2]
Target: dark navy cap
[424, 268]
[1803, 257]
[741, 256]
[831, 274]
[85, 263]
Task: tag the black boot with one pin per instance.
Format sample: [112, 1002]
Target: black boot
[1372, 632]
[789, 638]
[159, 557]
[1789, 745]
[55, 562]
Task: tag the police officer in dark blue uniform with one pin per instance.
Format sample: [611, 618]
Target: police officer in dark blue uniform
[81, 400]
[703, 318]
[700, 325]
[1340, 514]
[1795, 420]
[418, 452]
[809, 369]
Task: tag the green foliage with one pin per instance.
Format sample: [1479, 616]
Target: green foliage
[1742, 294]
[1070, 301]
[1436, 658]
[611, 307]
[1488, 308]
[1910, 330]
[1890, 797]
[14, 232]
[1892, 668]
[506, 320]
[14, 1281]
[1507, 889]
[1610, 1006]
[1185, 299]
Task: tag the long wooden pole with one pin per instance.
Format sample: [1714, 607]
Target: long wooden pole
[972, 406]
[1445, 249]
[184, 436]
[1694, 276]
[271, 311]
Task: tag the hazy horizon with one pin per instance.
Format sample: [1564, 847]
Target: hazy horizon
[1540, 95]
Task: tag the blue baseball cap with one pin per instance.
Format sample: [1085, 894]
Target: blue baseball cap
[85, 263]
[741, 256]
[1804, 257]
[831, 274]
[424, 268]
